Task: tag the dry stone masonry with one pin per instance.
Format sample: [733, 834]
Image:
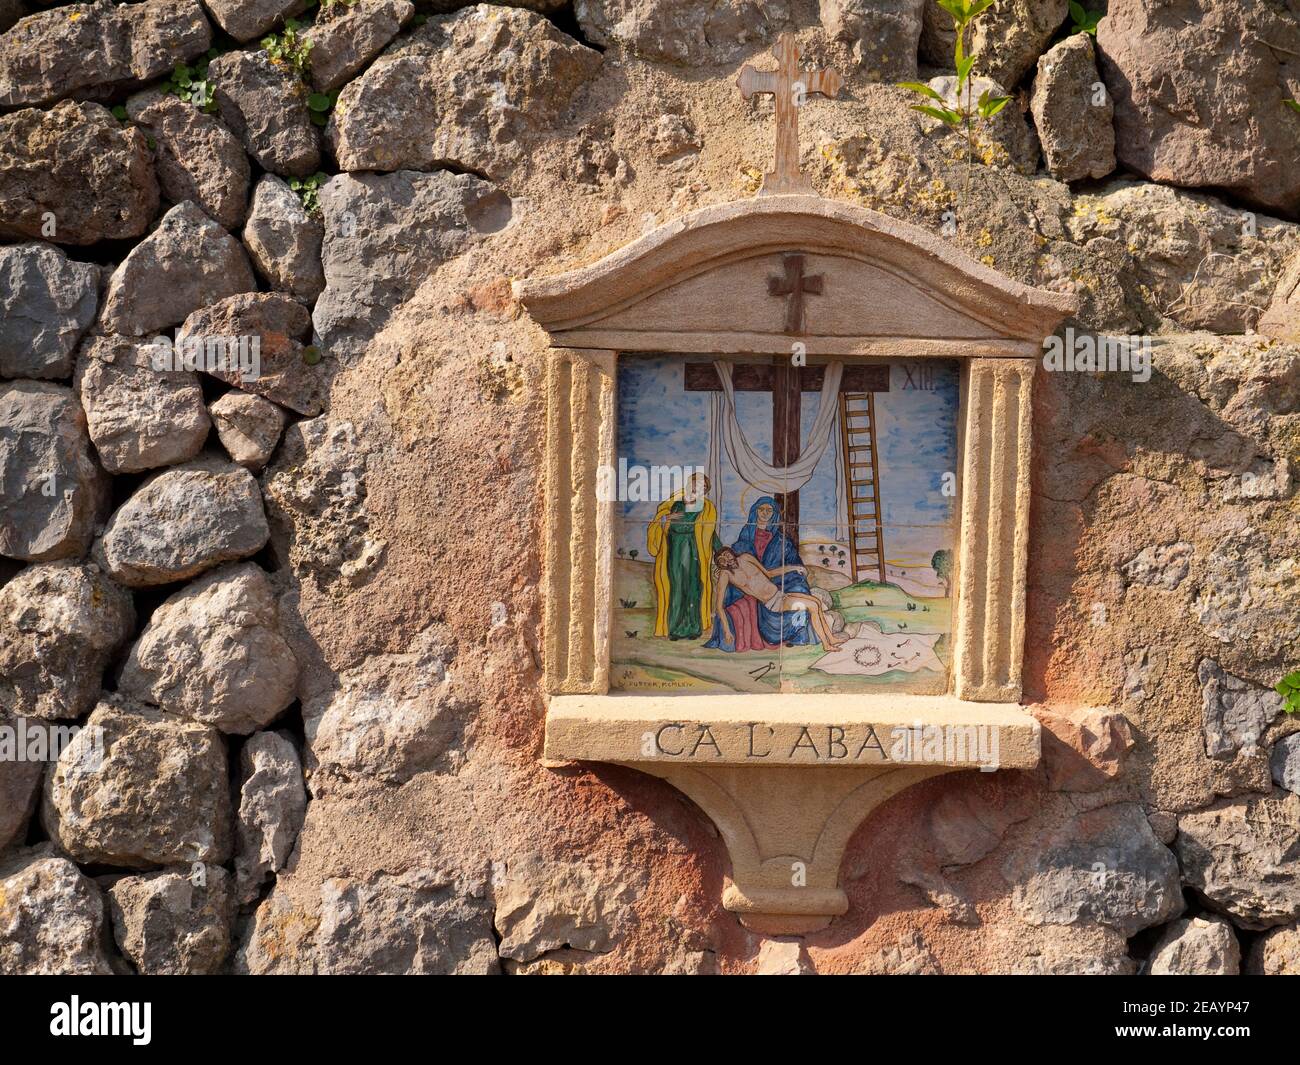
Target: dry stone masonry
[275, 449]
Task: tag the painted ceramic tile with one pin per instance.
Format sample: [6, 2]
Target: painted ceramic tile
[719, 589]
[893, 633]
[663, 620]
[915, 438]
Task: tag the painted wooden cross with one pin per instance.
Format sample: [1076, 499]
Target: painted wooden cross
[787, 383]
[788, 85]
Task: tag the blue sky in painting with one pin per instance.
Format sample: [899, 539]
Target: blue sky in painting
[917, 437]
[659, 423]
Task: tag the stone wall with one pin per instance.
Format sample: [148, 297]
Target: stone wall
[300, 612]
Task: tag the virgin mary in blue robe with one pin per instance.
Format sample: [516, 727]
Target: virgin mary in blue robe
[791, 626]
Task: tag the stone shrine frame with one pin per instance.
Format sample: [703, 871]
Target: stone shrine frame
[788, 778]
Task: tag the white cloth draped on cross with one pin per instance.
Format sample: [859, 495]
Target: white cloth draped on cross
[753, 469]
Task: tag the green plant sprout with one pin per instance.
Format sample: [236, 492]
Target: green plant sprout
[1084, 21]
[1293, 104]
[1289, 688]
[308, 190]
[966, 115]
[191, 84]
[289, 48]
[320, 104]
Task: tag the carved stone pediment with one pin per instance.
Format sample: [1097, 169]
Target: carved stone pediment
[703, 283]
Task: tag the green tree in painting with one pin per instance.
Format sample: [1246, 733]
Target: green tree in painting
[941, 563]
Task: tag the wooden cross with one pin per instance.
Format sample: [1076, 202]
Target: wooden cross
[786, 382]
[788, 85]
[793, 286]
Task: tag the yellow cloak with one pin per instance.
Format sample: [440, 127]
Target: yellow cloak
[705, 526]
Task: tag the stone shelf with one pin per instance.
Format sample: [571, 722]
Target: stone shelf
[788, 778]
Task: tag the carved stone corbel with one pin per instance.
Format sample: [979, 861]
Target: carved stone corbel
[787, 779]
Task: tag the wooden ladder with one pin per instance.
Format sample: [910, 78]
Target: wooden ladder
[858, 439]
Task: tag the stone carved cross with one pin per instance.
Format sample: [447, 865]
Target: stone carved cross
[788, 85]
[794, 285]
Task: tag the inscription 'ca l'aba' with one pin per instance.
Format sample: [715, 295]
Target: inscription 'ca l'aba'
[864, 742]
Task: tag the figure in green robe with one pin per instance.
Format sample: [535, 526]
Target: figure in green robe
[681, 539]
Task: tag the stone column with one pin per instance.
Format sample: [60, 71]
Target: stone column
[578, 530]
[996, 438]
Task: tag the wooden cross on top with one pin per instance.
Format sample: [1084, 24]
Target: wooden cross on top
[788, 85]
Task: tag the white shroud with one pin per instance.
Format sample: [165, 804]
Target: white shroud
[769, 479]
